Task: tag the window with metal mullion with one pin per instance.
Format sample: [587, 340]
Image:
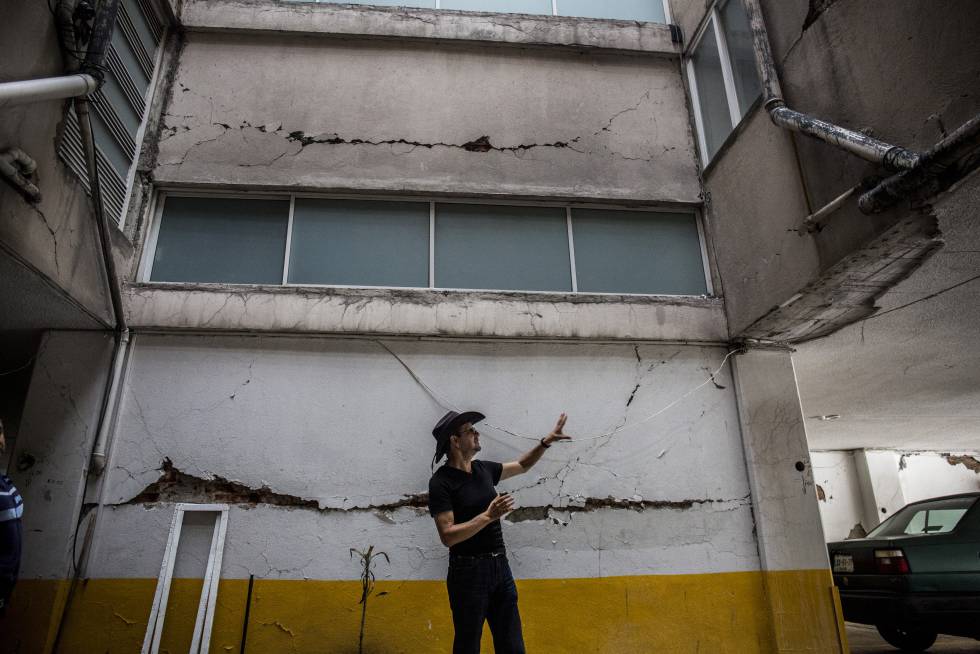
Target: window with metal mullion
[709, 91]
[726, 68]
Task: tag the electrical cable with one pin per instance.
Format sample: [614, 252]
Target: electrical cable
[29, 362]
[449, 406]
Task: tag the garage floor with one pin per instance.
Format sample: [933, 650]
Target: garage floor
[865, 640]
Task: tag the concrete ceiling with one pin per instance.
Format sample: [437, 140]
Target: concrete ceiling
[908, 377]
[28, 301]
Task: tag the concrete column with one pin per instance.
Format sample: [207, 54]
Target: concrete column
[59, 423]
[799, 587]
[879, 479]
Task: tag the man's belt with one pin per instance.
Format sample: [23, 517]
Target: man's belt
[475, 557]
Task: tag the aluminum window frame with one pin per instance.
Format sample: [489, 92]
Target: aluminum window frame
[713, 22]
[145, 270]
[141, 135]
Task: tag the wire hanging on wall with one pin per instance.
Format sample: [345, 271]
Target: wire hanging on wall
[449, 406]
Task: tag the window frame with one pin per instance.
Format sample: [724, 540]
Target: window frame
[713, 22]
[141, 133]
[145, 270]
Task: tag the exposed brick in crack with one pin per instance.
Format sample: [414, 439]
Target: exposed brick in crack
[970, 462]
[528, 513]
[176, 486]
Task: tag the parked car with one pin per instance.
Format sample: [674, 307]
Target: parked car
[917, 574]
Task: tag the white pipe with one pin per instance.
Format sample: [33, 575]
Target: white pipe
[97, 463]
[48, 88]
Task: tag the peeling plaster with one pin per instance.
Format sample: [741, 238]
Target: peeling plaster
[969, 462]
[176, 486]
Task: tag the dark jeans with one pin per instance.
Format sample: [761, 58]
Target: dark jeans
[483, 590]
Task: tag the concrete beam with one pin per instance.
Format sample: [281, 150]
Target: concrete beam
[227, 308]
[409, 23]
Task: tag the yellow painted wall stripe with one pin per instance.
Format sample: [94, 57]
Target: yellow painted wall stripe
[716, 613]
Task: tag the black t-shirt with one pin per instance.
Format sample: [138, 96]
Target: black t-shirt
[468, 495]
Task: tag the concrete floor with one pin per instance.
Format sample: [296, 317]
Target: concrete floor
[865, 640]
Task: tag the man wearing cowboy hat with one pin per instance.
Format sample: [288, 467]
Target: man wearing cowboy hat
[467, 511]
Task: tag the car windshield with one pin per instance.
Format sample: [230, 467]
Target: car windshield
[935, 517]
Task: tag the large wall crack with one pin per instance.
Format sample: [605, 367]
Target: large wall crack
[177, 486]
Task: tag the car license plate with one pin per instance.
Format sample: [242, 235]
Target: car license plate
[843, 563]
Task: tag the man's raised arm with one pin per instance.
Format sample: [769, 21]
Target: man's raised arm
[533, 455]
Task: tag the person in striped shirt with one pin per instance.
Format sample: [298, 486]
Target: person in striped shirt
[11, 510]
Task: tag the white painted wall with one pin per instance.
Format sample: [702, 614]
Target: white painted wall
[341, 422]
[838, 493]
[857, 484]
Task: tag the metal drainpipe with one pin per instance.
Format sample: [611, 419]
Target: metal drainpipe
[48, 88]
[945, 163]
[893, 157]
[94, 61]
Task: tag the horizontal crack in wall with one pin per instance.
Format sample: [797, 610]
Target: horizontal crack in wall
[481, 144]
[176, 486]
[527, 513]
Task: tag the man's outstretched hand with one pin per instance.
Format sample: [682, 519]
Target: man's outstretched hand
[556, 433]
[500, 506]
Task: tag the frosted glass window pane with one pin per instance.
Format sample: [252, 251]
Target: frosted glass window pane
[738, 33]
[711, 92]
[645, 10]
[221, 240]
[427, 4]
[502, 6]
[359, 243]
[637, 252]
[502, 248]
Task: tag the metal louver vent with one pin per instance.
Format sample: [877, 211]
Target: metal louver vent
[153, 20]
[112, 122]
[72, 153]
[118, 71]
[125, 24]
[124, 62]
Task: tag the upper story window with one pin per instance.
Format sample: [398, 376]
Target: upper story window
[722, 73]
[654, 11]
[119, 107]
[310, 241]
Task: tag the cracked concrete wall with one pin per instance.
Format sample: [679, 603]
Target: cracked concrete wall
[52, 449]
[341, 427]
[56, 238]
[890, 479]
[851, 63]
[396, 116]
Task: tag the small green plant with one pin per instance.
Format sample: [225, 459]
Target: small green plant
[368, 559]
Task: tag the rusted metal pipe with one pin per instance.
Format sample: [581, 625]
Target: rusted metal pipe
[893, 157]
[943, 165]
